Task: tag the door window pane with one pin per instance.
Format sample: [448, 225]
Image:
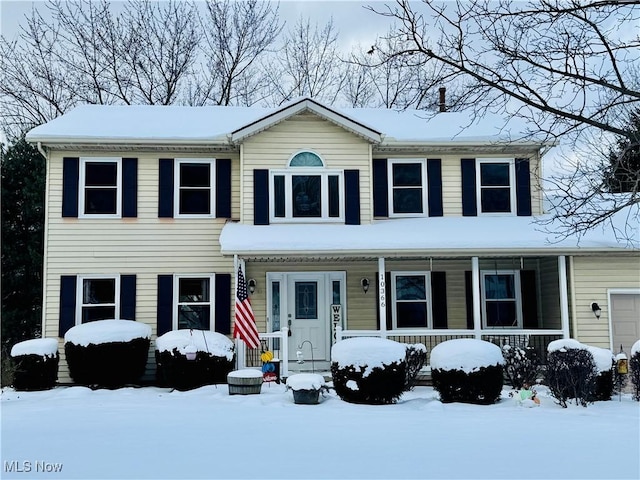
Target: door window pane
[306, 297]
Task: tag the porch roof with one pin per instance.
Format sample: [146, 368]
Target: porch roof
[421, 236]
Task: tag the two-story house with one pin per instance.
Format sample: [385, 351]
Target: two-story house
[346, 222]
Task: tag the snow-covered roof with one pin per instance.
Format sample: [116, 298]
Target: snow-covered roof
[456, 235]
[153, 124]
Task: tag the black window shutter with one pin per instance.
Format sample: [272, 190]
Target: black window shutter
[223, 303]
[439, 299]
[261, 197]
[128, 297]
[380, 188]
[223, 188]
[129, 187]
[469, 203]
[529, 298]
[352, 197]
[468, 297]
[434, 178]
[165, 304]
[165, 191]
[523, 187]
[388, 300]
[70, 179]
[67, 303]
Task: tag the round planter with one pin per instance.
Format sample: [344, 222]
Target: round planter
[306, 397]
[244, 382]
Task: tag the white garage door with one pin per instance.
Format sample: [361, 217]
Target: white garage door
[625, 321]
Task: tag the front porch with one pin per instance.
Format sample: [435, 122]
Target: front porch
[505, 300]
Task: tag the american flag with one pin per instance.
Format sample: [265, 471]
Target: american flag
[245, 322]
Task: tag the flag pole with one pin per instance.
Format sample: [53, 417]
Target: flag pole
[240, 350]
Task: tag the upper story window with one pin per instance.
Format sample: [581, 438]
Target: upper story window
[407, 182]
[306, 191]
[193, 192]
[100, 192]
[411, 294]
[495, 179]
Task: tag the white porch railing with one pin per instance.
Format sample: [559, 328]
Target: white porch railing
[276, 342]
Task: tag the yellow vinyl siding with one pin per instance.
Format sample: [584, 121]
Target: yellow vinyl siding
[272, 149]
[593, 277]
[145, 246]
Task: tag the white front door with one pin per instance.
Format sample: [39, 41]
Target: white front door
[308, 315]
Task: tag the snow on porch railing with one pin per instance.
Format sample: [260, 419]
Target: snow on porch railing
[276, 342]
[539, 339]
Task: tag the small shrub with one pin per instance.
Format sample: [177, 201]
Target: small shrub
[214, 359]
[520, 365]
[467, 370]
[415, 359]
[109, 365]
[482, 387]
[35, 364]
[634, 370]
[604, 381]
[107, 353]
[370, 370]
[571, 372]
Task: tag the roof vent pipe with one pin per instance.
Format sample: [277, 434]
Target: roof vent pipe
[442, 101]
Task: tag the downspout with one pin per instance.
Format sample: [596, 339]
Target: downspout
[47, 184]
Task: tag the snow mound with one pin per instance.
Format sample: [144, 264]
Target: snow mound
[603, 358]
[466, 354]
[206, 341]
[107, 331]
[565, 344]
[45, 347]
[305, 381]
[636, 348]
[369, 352]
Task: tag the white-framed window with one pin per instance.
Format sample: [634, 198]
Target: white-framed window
[411, 296]
[193, 301]
[194, 194]
[496, 186]
[97, 298]
[407, 179]
[100, 192]
[501, 298]
[306, 191]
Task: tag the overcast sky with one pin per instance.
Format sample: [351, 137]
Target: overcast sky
[354, 23]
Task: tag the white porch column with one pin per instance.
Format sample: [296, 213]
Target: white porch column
[382, 297]
[564, 296]
[475, 287]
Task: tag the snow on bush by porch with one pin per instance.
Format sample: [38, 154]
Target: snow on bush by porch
[368, 352]
[305, 381]
[44, 347]
[466, 354]
[205, 341]
[602, 357]
[107, 331]
[635, 348]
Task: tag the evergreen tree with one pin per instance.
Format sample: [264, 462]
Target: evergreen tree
[624, 171]
[23, 187]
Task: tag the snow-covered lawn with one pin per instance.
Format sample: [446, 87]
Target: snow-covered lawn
[206, 433]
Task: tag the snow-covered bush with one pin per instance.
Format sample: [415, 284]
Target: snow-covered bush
[35, 364]
[520, 365]
[369, 370]
[467, 370]
[416, 358]
[604, 361]
[634, 369]
[571, 372]
[107, 353]
[214, 358]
